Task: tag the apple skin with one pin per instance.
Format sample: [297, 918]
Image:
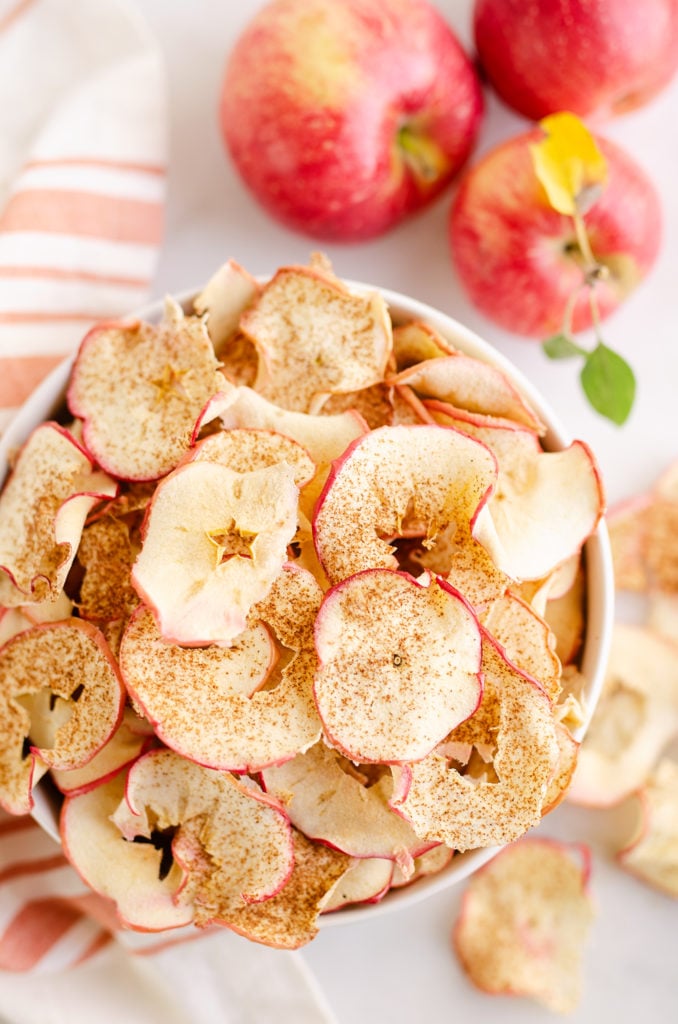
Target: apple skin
[518, 258]
[595, 58]
[315, 101]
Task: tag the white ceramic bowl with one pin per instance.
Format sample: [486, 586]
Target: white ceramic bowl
[600, 587]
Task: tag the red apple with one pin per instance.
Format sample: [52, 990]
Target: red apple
[593, 57]
[343, 116]
[519, 259]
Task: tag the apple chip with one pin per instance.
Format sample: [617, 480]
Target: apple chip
[164, 375]
[225, 297]
[464, 812]
[364, 881]
[417, 341]
[107, 555]
[390, 695]
[407, 408]
[566, 618]
[43, 507]
[244, 450]
[133, 737]
[214, 541]
[568, 752]
[62, 700]
[374, 404]
[429, 863]
[652, 851]
[210, 703]
[627, 525]
[289, 919]
[316, 338]
[430, 473]
[526, 639]
[636, 717]
[333, 802]
[523, 922]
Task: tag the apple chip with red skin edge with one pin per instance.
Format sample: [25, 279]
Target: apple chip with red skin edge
[430, 863]
[465, 813]
[41, 670]
[464, 563]
[374, 404]
[316, 338]
[364, 881]
[626, 525]
[526, 639]
[468, 383]
[225, 297]
[416, 342]
[210, 704]
[212, 544]
[164, 375]
[232, 841]
[43, 508]
[289, 919]
[330, 801]
[407, 408]
[568, 753]
[133, 737]
[391, 694]
[523, 922]
[431, 473]
[566, 619]
[325, 438]
[636, 717]
[107, 555]
[246, 449]
[651, 853]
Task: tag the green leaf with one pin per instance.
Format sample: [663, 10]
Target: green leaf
[561, 346]
[609, 384]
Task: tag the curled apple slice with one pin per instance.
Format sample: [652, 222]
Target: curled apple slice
[417, 341]
[364, 881]
[133, 737]
[636, 717]
[523, 922]
[210, 704]
[164, 375]
[627, 527]
[429, 863]
[431, 473]
[244, 450]
[651, 853]
[289, 919]
[463, 812]
[568, 752]
[316, 338]
[391, 694]
[527, 640]
[213, 542]
[107, 555]
[225, 297]
[62, 698]
[332, 802]
[43, 508]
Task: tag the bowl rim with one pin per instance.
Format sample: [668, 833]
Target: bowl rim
[600, 582]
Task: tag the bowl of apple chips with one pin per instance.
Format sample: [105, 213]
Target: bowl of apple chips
[305, 605]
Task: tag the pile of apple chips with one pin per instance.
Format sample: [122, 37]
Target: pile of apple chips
[293, 603]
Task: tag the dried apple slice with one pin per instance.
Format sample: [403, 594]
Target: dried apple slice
[164, 376]
[652, 851]
[566, 618]
[523, 922]
[636, 717]
[213, 542]
[316, 338]
[374, 404]
[289, 919]
[364, 881]
[107, 556]
[62, 695]
[133, 737]
[430, 473]
[244, 450]
[210, 705]
[392, 694]
[627, 526]
[445, 806]
[225, 297]
[43, 507]
[429, 863]
[527, 640]
[330, 801]
[468, 383]
[568, 752]
[417, 341]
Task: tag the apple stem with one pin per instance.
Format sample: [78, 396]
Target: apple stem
[424, 158]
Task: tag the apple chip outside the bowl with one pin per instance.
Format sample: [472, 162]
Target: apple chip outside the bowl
[651, 852]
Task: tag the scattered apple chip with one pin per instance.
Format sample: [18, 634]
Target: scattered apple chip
[316, 338]
[43, 508]
[62, 700]
[652, 851]
[392, 694]
[214, 541]
[164, 375]
[626, 524]
[225, 297]
[523, 922]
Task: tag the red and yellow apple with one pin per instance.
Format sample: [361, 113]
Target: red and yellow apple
[343, 116]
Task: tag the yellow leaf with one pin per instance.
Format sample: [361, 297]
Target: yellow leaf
[569, 164]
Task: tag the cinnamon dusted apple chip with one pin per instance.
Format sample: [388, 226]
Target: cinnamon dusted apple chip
[164, 375]
[652, 851]
[289, 919]
[566, 618]
[445, 806]
[316, 338]
[636, 717]
[43, 507]
[568, 753]
[210, 704]
[392, 694]
[225, 297]
[464, 563]
[107, 556]
[527, 640]
[333, 802]
[523, 922]
[627, 528]
[429, 473]
[62, 696]
[214, 541]
[244, 450]
[133, 737]
[468, 383]
[374, 404]
[643, 537]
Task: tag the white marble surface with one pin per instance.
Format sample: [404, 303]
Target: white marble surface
[398, 968]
